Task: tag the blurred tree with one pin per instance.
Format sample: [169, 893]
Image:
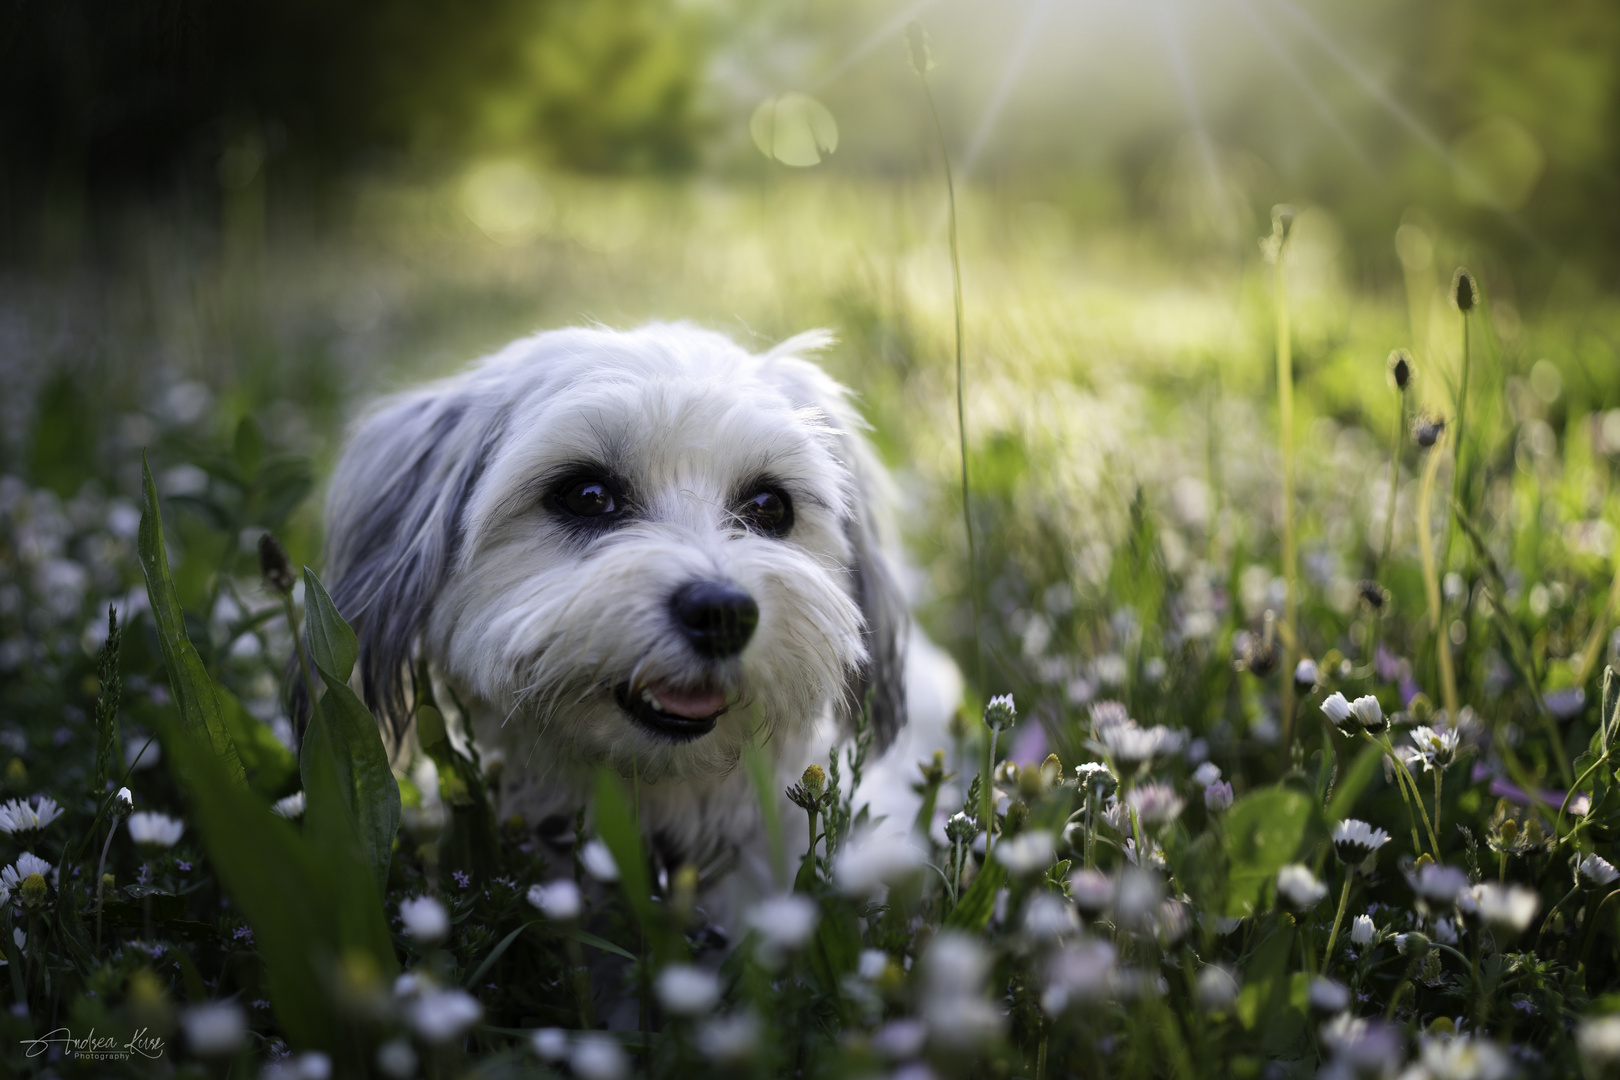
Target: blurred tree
[108, 97]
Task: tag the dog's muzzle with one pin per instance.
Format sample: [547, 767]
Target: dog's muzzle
[717, 620]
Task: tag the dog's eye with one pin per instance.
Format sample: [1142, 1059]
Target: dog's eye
[767, 511]
[588, 499]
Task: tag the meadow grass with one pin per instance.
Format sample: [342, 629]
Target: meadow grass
[1110, 395]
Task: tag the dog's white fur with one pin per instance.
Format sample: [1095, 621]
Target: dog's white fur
[446, 544]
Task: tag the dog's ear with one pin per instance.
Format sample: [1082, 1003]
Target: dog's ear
[394, 526]
[879, 687]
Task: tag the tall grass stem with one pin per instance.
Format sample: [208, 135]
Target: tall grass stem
[961, 405]
[1394, 483]
[1431, 581]
[1285, 410]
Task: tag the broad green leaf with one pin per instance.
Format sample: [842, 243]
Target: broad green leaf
[273, 880]
[333, 645]
[343, 734]
[764, 781]
[249, 447]
[1265, 982]
[615, 821]
[1265, 830]
[837, 945]
[342, 847]
[469, 842]
[1353, 783]
[348, 782]
[188, 679]
[270, 766]
[973, 911]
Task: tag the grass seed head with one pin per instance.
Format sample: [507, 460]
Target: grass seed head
[1464, 291]
[1401, 369]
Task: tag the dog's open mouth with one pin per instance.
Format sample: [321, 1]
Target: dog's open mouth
[670, 711]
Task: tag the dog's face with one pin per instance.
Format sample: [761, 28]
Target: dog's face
[643, 549]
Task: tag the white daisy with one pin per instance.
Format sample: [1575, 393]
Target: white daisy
[1337, 709]
[425, 919]
[1354, 840]
[558, 900]
[1435, 749]
[1298, 887]
[685, 990]
[1595, 872]
[20, 816]
[154, 831]
[1504, 908]
[1027, 853]
[1155, 803]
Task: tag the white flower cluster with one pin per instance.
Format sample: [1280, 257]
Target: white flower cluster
[21, 816]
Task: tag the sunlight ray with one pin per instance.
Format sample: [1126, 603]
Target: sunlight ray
[1329, 115]
[1009, 75]
[889, 33]
[1176, 49]
[1398, 111]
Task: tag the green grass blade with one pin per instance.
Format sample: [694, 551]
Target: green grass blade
[274, 881]
[764, 781]
[188, 678]
[495, 954]
[361, 794]
[979, 902]
[616, 823]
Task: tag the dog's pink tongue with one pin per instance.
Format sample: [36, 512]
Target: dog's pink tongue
[692, 704]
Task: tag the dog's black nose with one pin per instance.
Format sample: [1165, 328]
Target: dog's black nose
[717, 619]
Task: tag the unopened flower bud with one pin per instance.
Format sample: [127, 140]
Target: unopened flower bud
[1000, 714]
[1401, 369]
[1412, 944]
[1282, 221]
[123, 803]
[1464, 292]
[922, 59]
[274, 565]
[1427, 429]
[814, 781]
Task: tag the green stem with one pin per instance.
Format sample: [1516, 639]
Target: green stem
[1400, 785]
[1546, 923]
[1285, 409]
[1591, 926]
[1462, 421]
[1473, 977]
[1338, 917]
[306, 671]
[987, 794]
[1394, 481]
[1417, 799]
[101, 877]
[1438, 774]
[961, 407]
[1558, 825]
[1431, 582]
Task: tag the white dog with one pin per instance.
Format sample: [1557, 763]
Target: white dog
[639, 549]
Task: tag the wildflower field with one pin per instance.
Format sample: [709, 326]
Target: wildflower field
[1284, 585]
